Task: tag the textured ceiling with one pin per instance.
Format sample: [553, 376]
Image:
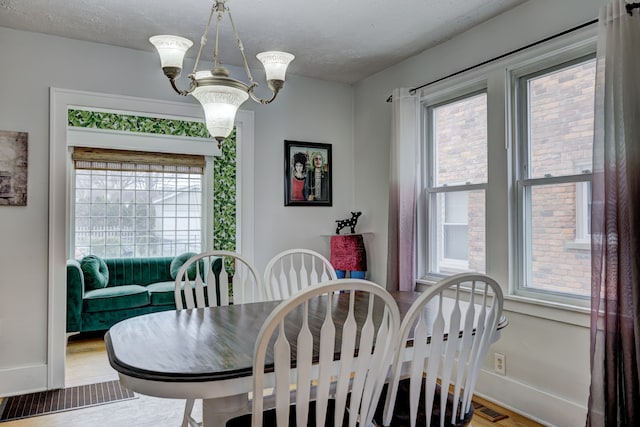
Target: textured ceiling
[338, 40]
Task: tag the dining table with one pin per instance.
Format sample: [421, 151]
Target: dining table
[206, 353]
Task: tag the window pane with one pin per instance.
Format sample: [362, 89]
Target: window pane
[460, 141]
[455, 207]
[455, 242]
[560, 113]
[458, 238]
[552, 218]
[127, 214]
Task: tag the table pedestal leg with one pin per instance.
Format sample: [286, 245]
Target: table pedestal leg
[216, 412]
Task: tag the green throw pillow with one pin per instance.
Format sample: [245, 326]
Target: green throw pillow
[96, 273]
[179, 261]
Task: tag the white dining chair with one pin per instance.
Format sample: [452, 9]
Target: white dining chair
[198, 285]
[449, 346]
[295, 269]
[237, 282]
[331, 374]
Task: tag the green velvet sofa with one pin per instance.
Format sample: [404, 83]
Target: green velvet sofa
[134, 286]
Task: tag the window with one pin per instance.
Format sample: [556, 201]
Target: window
[457, 178]
[506, 182]
[555, 140]
[136, 204]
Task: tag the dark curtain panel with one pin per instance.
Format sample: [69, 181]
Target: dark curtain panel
[615, 223]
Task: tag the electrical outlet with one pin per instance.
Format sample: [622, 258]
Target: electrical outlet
[500, 363]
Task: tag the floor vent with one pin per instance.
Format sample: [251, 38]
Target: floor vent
[487, 413]
[66, 399]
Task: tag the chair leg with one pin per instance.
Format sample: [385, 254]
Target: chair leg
[187, 419]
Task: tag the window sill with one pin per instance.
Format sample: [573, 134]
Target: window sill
[557, 312]
[578, 245]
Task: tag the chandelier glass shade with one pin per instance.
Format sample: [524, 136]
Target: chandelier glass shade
[219, 94]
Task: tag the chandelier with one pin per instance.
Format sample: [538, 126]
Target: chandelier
[219, 94]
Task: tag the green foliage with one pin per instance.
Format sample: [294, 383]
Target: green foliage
[224, 196]
[122, 122]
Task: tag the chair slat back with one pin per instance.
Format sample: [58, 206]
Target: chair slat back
[295, 269]
[449, 345]
[238, 281]
[341, 336]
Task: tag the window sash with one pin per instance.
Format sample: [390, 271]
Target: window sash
[431, 143]
[438, 264]
[525, 185]
[521, 96]
[526, 286]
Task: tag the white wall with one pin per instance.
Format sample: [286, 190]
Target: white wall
[315, 111]
[547, 349]
[306, 110]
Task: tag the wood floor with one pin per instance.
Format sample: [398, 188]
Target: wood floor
[87, 363]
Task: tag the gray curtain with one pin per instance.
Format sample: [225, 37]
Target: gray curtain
[615, 223]
[403, 176]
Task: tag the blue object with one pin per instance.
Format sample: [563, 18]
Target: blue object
[357, 274]
[352, 274]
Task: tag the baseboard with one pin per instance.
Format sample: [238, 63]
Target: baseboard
[533, 403]
[25, 379]
[538, 405]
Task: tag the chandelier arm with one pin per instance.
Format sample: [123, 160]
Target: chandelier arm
[263, 101]
[203, 39]
[252, 83]
[183, 92]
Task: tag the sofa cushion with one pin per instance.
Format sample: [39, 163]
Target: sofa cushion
[179, 261]
[96, 273]
[138, 271]
[163, 293]
[115, 298]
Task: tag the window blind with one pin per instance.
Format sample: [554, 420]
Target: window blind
[136, 161]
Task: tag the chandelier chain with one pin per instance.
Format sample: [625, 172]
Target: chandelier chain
[216, 59]
[241, 47]
[203, 39]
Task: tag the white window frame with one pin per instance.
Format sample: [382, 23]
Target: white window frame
[583, 213]
[121, 140]
[428, 209]
[60, 101]
[522, 181]
[583, 217]
[501, 255]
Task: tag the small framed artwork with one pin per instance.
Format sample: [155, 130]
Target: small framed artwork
[13, 168]
[307, 174]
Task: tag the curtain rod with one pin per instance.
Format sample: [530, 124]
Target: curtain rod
[586, 24]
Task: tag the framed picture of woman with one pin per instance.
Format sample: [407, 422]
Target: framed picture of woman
[307, 174]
